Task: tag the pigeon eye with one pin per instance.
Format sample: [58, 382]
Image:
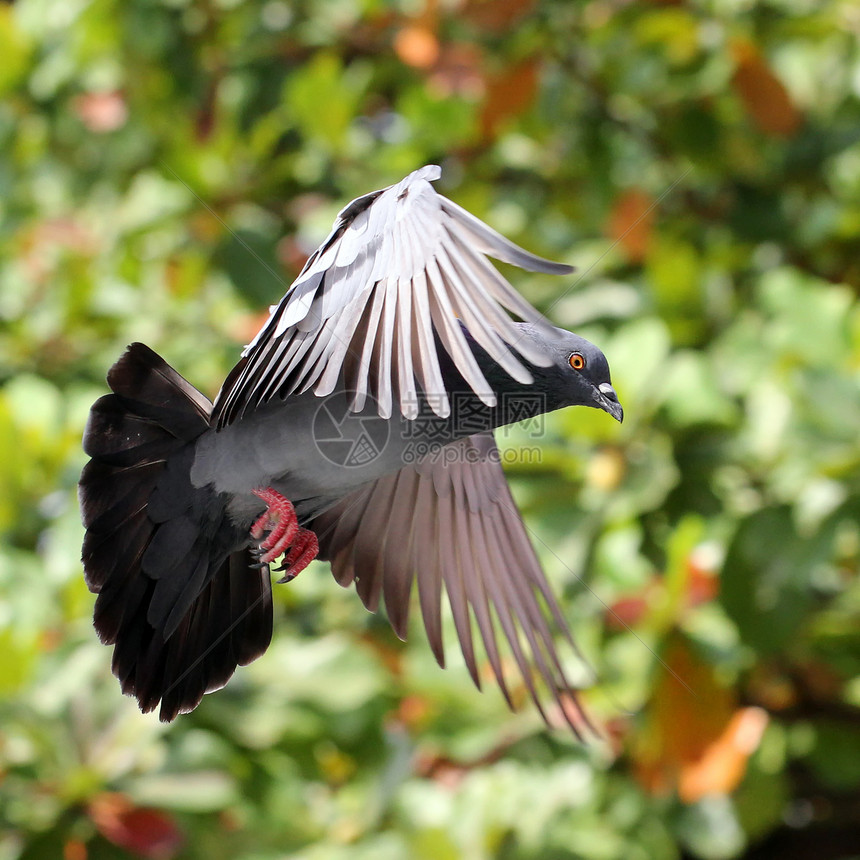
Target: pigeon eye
[576, 361]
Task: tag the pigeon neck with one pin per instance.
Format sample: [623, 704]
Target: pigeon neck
[515, 401]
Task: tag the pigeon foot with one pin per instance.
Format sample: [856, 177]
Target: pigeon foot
[284, 534]
[303, 551]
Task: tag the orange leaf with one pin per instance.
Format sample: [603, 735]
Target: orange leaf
[694, 740]
[146, 832]
[417, 46]
[631, 222]
[723, 763]
[74, 849]
[414, 711]
[508, 95]
[764, 96]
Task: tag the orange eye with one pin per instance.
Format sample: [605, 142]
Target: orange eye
[577, 362]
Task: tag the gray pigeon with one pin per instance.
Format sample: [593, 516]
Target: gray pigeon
[357, 427]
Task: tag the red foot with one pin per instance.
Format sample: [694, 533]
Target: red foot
[303, 551]
[284, 533]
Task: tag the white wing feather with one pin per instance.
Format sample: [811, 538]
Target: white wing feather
[401, 268]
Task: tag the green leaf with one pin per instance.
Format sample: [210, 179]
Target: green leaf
[766, 577]
[15, 50]
[323, 98]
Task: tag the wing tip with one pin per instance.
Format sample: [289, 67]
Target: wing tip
[430, 172]
[553, 268]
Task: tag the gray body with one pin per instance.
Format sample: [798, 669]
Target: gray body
[276, 446]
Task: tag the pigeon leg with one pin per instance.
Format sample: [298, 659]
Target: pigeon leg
[279, 520]
[303, 551]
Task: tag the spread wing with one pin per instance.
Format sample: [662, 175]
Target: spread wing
[454, 527]
[400, 270]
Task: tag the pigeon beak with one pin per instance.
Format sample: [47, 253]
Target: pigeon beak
[607, 400]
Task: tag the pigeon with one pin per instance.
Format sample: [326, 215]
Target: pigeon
[357, 428]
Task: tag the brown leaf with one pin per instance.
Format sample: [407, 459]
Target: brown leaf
[631, 222]
[496, 15]
[292, 255]
[459, 72]
[771, 687]
[441, 769]
[508, 95]
[764, 96]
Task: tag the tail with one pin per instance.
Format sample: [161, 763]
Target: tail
[177, 596]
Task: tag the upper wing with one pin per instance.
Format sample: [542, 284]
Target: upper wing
[454, 525]
[400, 265]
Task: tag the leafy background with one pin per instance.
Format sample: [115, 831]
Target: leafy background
[166, 166]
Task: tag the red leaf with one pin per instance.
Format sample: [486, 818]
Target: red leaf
[703, 584]
[146, 832]
[626, 612]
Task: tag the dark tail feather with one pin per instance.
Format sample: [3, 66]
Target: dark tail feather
[177, 595]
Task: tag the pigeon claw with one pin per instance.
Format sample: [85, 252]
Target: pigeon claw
[279, 520]
[304, 550]
[279, 533]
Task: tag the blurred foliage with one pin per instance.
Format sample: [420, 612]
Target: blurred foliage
[166, 166]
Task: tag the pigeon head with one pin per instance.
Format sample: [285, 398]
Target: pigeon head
[578, 372]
